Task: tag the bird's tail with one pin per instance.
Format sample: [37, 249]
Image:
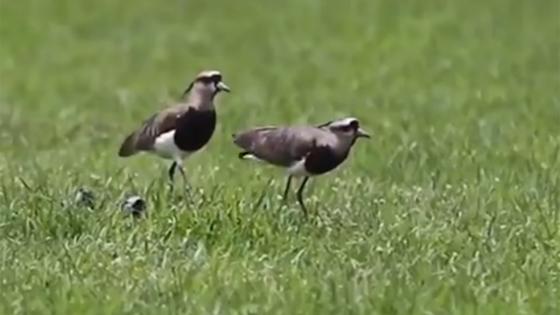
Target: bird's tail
[128, 147]
[246, 155]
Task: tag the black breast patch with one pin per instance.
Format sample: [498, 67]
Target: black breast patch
[321, 160]
[194, 129]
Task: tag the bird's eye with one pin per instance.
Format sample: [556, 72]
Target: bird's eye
[346, 128]
[216, 78]
[206, 80]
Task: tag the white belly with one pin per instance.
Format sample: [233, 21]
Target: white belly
[298, 169]
[165, 147]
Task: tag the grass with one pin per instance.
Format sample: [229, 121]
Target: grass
[453, 207]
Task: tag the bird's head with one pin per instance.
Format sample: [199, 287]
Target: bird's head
[346, 128]
[207, 83]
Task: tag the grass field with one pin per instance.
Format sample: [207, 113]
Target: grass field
[452, 208]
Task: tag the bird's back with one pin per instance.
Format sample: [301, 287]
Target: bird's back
[283, 146]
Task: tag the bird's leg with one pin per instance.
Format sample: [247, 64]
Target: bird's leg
[171, 173]
[299, 195]
[183, 175]
[287, 189]
[185, 180]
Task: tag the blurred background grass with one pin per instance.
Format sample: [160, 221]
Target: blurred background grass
[462, 97]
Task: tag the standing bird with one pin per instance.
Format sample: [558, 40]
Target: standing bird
[182, 129]
[304, 150]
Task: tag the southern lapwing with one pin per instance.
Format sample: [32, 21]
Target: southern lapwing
[182, 129]
[304, 151]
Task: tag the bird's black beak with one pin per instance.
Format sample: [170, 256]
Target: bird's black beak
[223, 87]
[361, 133]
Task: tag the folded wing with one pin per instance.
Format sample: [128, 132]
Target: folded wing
[280, 146]
[144, 137]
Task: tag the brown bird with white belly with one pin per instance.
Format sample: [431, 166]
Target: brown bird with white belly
[182, 129]
[304, 151]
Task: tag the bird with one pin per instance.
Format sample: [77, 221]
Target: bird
[304, 151]
[182, 129]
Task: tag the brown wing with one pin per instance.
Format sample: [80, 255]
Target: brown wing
[144, 137]
[280, 146]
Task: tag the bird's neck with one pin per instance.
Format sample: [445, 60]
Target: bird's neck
[200, 99]
[344, 146]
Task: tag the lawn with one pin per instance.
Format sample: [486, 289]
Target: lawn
[453, 207]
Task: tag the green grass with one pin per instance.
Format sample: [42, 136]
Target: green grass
[452, 208]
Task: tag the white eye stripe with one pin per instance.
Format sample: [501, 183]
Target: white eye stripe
[347, 122]
[209, 74]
